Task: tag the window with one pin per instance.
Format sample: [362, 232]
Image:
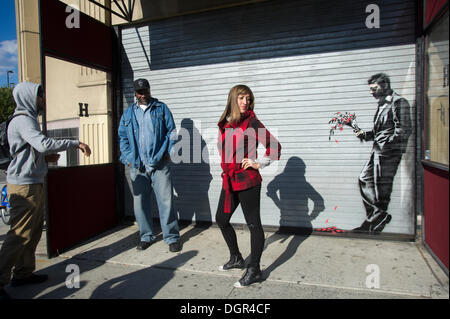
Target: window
[69, 157]
[79, 107]
[437, 108]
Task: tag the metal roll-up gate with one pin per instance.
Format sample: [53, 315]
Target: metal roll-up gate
[304, 61]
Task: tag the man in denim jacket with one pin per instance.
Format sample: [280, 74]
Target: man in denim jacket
[145, 132]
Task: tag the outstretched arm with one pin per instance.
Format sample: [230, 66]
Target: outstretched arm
[32, 134]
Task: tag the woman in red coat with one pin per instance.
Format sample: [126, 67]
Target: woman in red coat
[239, 134]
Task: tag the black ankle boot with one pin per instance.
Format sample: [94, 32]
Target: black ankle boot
[252, 275]
[236, 261]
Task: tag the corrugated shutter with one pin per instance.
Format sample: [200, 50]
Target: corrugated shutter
[304, 61]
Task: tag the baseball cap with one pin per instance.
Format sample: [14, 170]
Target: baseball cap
[141, 84]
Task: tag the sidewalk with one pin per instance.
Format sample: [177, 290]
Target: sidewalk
[294, 267]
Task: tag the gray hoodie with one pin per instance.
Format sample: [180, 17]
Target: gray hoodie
[28, 166]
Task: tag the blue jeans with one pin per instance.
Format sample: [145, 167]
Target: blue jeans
[160, 182]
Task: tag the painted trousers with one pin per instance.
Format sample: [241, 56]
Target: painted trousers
[375, 183]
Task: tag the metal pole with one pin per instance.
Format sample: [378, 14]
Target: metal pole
[7, 75]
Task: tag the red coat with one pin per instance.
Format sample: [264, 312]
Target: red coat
[240, 141]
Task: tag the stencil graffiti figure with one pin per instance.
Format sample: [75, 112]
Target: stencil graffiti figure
[390, 133]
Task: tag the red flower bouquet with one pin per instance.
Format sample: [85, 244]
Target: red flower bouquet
[339, 120]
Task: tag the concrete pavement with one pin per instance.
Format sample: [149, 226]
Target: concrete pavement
[294, 267]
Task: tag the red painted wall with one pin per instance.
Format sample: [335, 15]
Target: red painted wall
[436, 193]
[81, 204]
[432, 8]
[90, 44]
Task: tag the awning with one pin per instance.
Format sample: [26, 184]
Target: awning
[126, 10]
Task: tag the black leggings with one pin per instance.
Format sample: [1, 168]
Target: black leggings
[250, 200]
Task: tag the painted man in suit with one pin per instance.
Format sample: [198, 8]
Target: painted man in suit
[390, 135]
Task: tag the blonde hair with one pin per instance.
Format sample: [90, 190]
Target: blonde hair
[232, 113]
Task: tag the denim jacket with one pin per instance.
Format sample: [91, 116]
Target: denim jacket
[163, 126]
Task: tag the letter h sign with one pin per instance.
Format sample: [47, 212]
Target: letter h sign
[83, 110]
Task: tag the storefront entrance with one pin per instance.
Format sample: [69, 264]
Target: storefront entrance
[77, 56]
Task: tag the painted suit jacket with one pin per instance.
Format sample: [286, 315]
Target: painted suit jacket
[392, 125]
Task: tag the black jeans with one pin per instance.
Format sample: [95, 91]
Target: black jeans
[250, 200]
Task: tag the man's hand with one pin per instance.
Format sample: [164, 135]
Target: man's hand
[360, 134]
[85, 149]
[52, 158]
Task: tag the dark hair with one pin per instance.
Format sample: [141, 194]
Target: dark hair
[380, 78]
[40, 91]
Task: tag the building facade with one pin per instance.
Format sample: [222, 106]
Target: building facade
[308, 64]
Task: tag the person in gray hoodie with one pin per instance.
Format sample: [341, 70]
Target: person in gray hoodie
[31, 151]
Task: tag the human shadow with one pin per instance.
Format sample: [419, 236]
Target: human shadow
[136, 285]
[127, 80]
[295, 216]
[191, 179]
[86, 260]
[142, 284]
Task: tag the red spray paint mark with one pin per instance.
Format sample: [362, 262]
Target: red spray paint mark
[332, 229]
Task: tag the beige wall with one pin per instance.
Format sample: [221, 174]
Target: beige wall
[27, 26]
[96, 132]
[69, 84]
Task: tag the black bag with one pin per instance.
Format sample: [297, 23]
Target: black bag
[5, 155]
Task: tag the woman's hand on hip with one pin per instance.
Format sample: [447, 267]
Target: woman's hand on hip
[247, 162]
